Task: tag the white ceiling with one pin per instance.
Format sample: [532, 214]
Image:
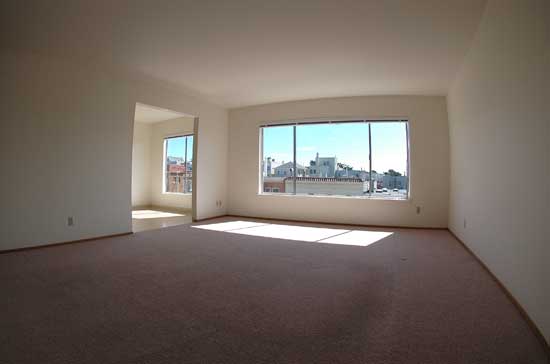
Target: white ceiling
[245, 52]
[150, 114]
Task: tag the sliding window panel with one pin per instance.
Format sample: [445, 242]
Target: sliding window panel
[277, 164]
[332, 159]
[174, 165]
[188, 187]
[390, 159]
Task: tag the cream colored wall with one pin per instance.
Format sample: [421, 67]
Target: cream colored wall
[141, 168]
[211, 141]
[500, 151]
[66, 141]
[429, 163]
[160, 131]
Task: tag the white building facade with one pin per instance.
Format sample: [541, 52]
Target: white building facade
[328, 186]
[322, 167]
[268, 166]
[285, 170]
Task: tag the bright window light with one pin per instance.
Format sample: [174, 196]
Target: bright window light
[357, 237]
[299, 233]
[151, 214]
[178, 164]
[291, 232]
[354, 158]
[229, 226]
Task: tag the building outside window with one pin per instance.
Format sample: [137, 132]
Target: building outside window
[178, 164]
[361, 158]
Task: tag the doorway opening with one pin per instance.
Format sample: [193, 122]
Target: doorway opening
[163, 155]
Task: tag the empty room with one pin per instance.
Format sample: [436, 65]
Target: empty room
[275, 182]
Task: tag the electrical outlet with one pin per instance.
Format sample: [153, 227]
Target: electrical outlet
[70, 221]
[418, 210]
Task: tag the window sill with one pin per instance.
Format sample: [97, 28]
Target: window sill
[178, 193]
[372, 198]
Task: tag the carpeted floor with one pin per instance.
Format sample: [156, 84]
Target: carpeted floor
[189, 295]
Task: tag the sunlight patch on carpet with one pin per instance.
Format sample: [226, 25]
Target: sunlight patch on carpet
[299, 233]
[152, 214]
[230, 225]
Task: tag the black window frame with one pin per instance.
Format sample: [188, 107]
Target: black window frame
[371, 191]
[186, 178]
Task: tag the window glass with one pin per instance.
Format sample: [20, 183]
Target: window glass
[178, 166]
[355, 158]
[389, 159]
[332, 159]
[277, 163]
[188, 187]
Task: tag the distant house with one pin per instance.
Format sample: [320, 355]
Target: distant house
[322, 167]
[176, 168]
[344, 173]
[285, 170]
[274, 184]
[175, 160]
[269, 165]
[179, 178]
[399, 182]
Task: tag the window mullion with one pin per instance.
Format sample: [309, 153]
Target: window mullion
[408, 160]
[185, 168]
[165, 162]
[370, 163]
[294, 166]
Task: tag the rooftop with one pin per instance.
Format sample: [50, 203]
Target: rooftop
[325, 179]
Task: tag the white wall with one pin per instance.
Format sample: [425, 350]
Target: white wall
[160, 131]
[141, 168]
[66, 146]
[500, 151]
[429, 163]
[210, 166]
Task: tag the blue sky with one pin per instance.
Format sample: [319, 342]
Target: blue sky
[175, 147]
[349, 142]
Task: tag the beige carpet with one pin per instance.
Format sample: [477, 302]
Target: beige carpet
[202, 295]
[152, 218]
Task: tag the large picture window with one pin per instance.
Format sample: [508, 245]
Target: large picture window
[360, 158]
[178, 164]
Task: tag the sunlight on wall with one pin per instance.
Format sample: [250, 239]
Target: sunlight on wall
[151, 214]
[300, 233]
